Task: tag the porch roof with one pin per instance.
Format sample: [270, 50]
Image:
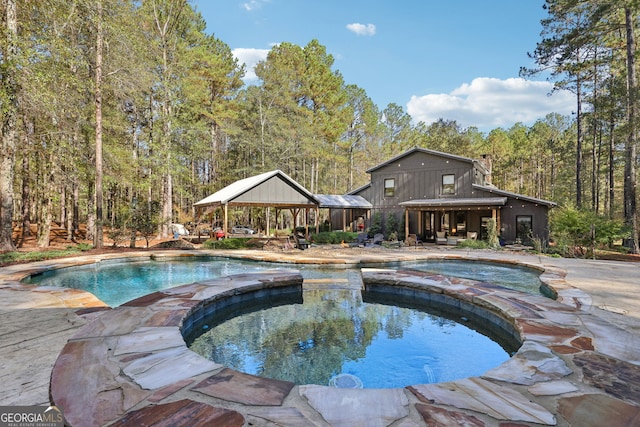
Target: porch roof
[342, 201]
[477, 202]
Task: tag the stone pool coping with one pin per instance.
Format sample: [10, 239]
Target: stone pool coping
[130, 365]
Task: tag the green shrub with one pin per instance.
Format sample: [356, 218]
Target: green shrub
[391, 227]
[579, 233]
[229, 243]
[473, 244]
[376, 225]
[19, 257]
[333, 237]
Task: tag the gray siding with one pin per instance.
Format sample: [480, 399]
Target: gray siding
[419, 176]
[274, 189]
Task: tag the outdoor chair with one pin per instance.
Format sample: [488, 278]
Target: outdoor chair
[378, 239]
[413, 240]
[300, 242]
[441, 238]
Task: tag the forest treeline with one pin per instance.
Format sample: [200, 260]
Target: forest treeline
[111, 108]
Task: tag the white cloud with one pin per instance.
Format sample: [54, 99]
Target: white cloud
[362, 29]
[487, 103]
[250, 57]
[253, 4]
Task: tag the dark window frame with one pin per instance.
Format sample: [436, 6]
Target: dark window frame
[390, 191]
[448, 189]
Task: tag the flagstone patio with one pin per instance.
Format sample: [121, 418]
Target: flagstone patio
[130, 366]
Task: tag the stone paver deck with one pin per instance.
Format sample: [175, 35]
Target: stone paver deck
[129, 365]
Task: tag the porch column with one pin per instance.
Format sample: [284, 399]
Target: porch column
[344, 219]
[406, 222]
[317, 217]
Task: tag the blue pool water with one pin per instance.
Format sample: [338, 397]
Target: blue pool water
[510, 276]
[334, 338]
[118, 282]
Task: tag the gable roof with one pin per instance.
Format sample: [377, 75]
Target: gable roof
[414, 150]
[273, 188]
[355, 191]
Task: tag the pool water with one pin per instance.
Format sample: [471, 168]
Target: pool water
[507, 275]
[115, 282]
[334, 338]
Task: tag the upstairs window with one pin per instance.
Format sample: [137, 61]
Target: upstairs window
[389, 187]
[448, 184]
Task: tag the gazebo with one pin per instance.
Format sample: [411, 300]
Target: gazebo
[270, 189]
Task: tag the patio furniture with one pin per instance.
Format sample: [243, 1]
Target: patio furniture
[413, 240]
[441, 238]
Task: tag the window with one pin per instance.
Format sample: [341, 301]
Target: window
[524, 229]
[389, 187]
[448, 184]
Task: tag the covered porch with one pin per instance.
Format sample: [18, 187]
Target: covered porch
[347, 212]
[447, 221]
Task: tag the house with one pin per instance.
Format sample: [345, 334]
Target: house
[429, 191]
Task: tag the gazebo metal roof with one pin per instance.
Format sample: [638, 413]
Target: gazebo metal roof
[273, 188]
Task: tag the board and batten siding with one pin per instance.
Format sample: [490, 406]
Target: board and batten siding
[420, 177]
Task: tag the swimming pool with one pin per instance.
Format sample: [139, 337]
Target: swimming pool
[116, 282]
[336, 337]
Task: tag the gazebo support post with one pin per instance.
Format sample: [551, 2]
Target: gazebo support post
[225, 226]
[268, 217]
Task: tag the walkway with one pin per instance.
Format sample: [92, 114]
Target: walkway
[36, 323]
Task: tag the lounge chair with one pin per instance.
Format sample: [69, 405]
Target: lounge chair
[441, 238]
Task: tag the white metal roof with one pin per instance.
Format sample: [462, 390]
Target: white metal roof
[240, 187]
[343, 201]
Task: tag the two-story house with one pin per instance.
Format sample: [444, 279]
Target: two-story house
[439, 192]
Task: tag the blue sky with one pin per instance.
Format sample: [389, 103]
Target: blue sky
[454, 59]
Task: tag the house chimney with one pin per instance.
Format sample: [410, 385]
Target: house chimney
[487, 163]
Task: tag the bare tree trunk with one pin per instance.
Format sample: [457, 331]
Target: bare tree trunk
[44, 206]
[630, 177]
[75, 222]
[611, 166]
[26, 181]
[9, 132]
[98, 238]
[579, 143]
[63, 200]
[166, 22]
[91, 212]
